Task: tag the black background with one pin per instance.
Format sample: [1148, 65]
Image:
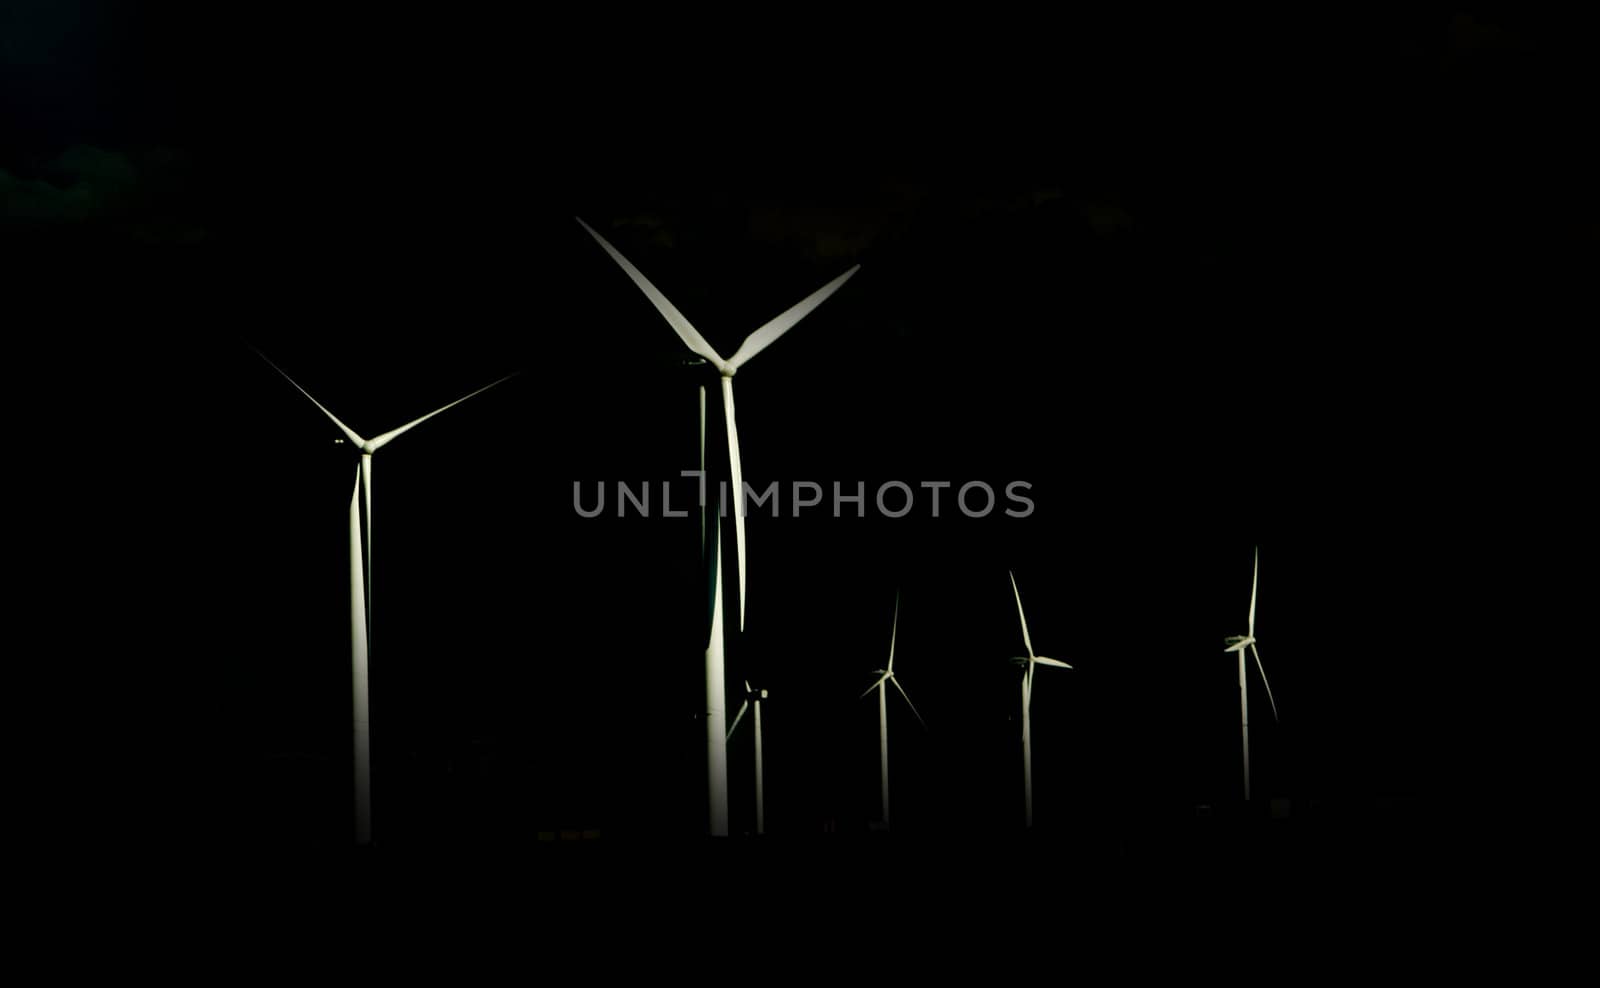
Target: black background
[1205, 283]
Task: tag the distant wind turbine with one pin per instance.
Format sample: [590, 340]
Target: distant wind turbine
[763, 337]
[1028, 662]
[752, 702]
[361, 588]
[885, 677]
[1238, 643]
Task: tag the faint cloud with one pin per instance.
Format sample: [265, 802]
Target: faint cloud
[33, 200]
[652, 228]
[115, 191]
[1106, 219]
[1471, 35]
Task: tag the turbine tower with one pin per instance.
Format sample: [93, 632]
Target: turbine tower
[361, 590]
[1028, 662]
[1238, 643]
[362, 721]
[885, 677]
[763, 337]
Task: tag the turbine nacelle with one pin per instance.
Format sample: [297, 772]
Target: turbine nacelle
[1238, 643]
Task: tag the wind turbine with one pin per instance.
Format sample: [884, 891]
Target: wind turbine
[1238, 643]
[361, 589]
[885, 677]
[752, 702]
[1028, 662]
[763, 337]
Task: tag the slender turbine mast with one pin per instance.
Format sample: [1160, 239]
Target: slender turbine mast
[885, 678]
[1238, 643]
[1028, 662]
[361, 591]
[752, 702]
[763, 337]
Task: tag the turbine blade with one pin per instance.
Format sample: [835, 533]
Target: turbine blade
[1024, 618]
[713, 581]
[1250, 629]
[1051, 662]
[1028, 683]
[894, 630]
[874, 686]
[738, 487]
[769, 332]
[1264, 680]
[366, 487]
[378, 442]
[702, 468]
[358, 578]
[913, 706]
[690, 336]
[738, 717]
[348, 432]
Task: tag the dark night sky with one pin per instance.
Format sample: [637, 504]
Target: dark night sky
[1205, 285]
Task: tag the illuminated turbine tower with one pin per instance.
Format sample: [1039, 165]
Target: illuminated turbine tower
[361, 591]
[763, 337]
[885, 677]
[752, 702]
[1238, 643]
[1028, 662]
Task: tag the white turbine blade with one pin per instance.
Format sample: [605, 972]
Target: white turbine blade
[690, 336]
[738, 717]
[366, 488]
[358, 575]
[894, 630]
[378, 442]
[713, 583]
[1027, 686]
[1051, 662]
[1250, 629]
[349, 432]
[738, 487]
[913, 706]
[768, 333]
[874, 686]
[702, 467]
[1264, 680]
[1024, 618]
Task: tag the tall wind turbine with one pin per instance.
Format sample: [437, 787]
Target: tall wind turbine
[752, 702]
[885, 677]
[1028, 662]
[361, 589]
[763, 337]
[1238, 643]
